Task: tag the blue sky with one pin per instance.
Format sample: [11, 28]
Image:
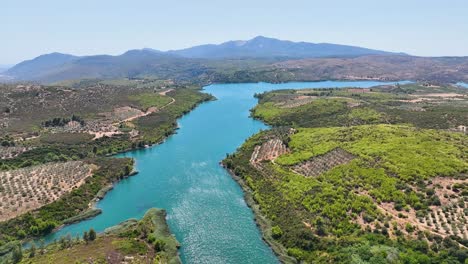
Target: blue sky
[29, 28]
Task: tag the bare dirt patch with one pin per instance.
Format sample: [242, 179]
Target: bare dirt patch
[166, 91]
[269, 150]
[296, 101]
[444, 95]
[120, 114]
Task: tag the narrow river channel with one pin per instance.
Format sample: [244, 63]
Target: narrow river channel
[205, 206]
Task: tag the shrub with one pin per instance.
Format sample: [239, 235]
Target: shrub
[276, 232]
[409, 228]
[159, 245]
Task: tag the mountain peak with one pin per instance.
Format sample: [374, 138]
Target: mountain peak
[55, 55]
[266, 47]
[260, 37]
[45, 66]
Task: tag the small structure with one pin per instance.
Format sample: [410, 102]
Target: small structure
[462, 129]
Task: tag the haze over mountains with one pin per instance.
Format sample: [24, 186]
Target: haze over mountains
[258, 59]
[269, 47]
[4, 67]
[56, 66]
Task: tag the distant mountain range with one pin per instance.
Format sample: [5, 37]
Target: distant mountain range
[4, 67]
[269, 47]
[186, 62]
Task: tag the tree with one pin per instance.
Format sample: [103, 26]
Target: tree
[32, 251]
[42, 246]
[128, 170]
[68, 240]
[86, 237]
[92, 234]
[17, 254]
[159, 245]
[276, 232]
[21, 233]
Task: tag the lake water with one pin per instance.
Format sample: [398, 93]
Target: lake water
[463, 84]
[205, 206]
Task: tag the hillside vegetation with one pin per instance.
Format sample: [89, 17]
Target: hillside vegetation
[55, 143]
[134, 241]
[361, 175]
[442, 107]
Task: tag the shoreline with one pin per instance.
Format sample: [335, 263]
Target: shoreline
[92, 211]
[261, 221]
[315, 81]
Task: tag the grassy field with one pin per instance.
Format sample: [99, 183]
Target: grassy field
[147, 100]
[358, 183]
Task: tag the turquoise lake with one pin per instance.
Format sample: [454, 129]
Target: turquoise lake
[205, 206]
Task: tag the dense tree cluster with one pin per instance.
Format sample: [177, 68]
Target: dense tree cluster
[62, 121]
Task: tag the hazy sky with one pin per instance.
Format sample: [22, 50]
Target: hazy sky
[29, 28]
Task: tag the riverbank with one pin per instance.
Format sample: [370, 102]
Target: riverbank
[135, 241]
[93, 210]
[325, 189]
[261, 220]
[65, 211]
[183, 175]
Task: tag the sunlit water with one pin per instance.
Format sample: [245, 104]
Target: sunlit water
[205, 206]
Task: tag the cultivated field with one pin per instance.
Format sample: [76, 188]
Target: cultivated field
[269, 150]
[11, 152]
[345, 189]
[26, 189]
[320, 164]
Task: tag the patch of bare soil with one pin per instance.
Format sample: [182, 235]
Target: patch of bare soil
[120, 114]
[269, 150]
[441, 95]
[166, 91]
[296, 101]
